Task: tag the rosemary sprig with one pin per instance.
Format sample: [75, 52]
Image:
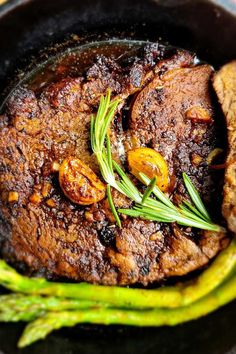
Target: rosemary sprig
[160, 209]
[99, 134]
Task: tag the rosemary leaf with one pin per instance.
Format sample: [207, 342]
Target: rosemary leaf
[125, 190]
[146, 216]
[92, 132]
[134, 190]
[186, 212]
[199, 225]
[195, 196]
[167, 214]
[158, 193]
[107, 121]
[102, 112]
[149, 189]
[130, 212]
[194, 210]
[154, 214]
[155, 204]
[109, 157]
[112, 206]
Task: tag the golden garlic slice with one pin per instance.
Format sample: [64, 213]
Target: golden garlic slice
[79, 183]
[151, 163]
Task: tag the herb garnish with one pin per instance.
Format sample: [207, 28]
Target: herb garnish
[160, 209]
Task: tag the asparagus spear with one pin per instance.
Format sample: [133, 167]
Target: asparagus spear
[169, 297]
[41, 327]
[18, 307]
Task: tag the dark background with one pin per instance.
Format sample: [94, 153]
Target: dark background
[28, 26]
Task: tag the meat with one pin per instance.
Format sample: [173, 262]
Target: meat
[41, 228]
[224, 83]
[165, 103]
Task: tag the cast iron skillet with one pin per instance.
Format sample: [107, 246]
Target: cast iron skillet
[28, 26]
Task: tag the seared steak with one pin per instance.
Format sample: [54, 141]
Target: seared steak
[169, 109]
[224, 83]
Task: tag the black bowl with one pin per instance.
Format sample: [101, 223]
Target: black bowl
[26, 27]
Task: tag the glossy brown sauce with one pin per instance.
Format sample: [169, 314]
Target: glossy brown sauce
[74, 62]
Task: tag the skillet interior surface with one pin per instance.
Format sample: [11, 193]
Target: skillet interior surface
[26, 27]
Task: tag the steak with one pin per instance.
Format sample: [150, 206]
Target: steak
[166, 105]
[224, 83]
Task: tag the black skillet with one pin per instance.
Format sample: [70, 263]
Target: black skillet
[26, 27]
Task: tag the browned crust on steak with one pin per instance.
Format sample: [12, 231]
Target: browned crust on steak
[225, 86]
[48, 232]
[162, 105]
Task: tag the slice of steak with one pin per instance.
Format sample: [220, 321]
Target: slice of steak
[174, 115]
[42, 228]
[161, 113]
[224, 83]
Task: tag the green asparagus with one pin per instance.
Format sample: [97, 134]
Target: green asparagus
[41, 327]
[18, 307]
[169, 297]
